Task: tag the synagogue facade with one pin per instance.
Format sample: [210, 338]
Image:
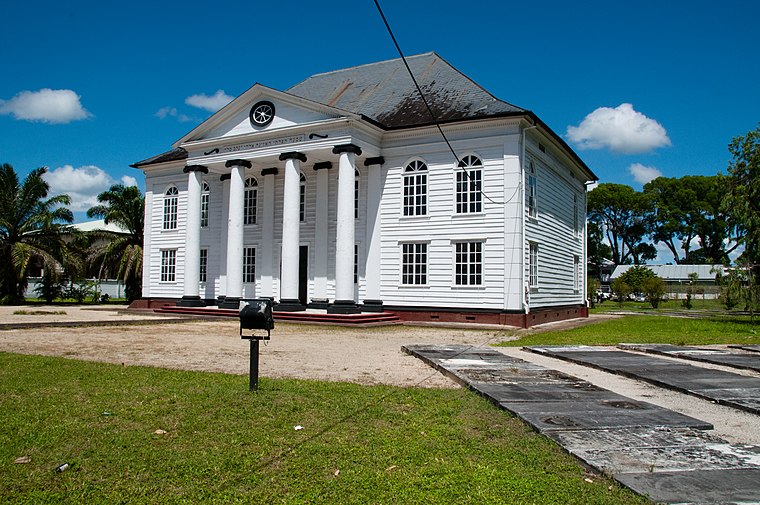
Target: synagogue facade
[340, 193]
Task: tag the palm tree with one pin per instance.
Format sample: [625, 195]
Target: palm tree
[121, 253]
[31, 229]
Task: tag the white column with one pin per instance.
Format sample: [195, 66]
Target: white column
[345, 234]
[190, 294]
[374, 195]
[321, 227]
[225, 179]
[235, 232]
[291, 230]
[147, 237]
[267, 232]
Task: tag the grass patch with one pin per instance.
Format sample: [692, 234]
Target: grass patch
[39, 312]
[224, 444]
[651, 329]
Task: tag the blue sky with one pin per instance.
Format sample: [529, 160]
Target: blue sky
[638, 88]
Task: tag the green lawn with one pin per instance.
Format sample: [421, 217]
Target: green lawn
[224, 444]
[709, 329]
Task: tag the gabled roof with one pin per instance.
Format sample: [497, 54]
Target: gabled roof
[173, 155]
[385, 93]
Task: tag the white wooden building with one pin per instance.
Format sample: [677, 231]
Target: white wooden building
[341, 193]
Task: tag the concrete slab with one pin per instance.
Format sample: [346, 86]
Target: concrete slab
[697, 486]
[743, 361]
[730, 389]
[747, 347]
[654, 451]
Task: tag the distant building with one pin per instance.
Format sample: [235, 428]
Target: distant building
[677, 279]
[341, 193]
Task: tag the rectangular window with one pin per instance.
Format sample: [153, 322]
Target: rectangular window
[576, 217]
[356, 263]
[415, 195]
[168, 265]
[533, 281]
[249, 264]
[250, 202]
[414, 264]
[576, 273]
[204, 264]
[356, 197]
[302, 203]
[468, 191]
[204, 210]
[468, 263]
[170, 212]
[532, 190]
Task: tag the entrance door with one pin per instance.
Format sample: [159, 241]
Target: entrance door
[303, 274]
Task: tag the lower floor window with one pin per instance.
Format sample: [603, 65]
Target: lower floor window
[168, 265]
[204, 264]
[533, 278]
[414, 264]
[249, 264]
[468, 262]
[576, 273]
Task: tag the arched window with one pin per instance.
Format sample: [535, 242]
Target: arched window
[415, 189]
[171, 196]
[302, 199]
[250, 200]
[356, 194]
[469, 178]
[205, 190]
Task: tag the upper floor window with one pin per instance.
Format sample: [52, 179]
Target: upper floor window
[356, 194]
[302, 200]
[250, 200]
[576, 217]
[171, 197]
[415, 189]
[204, 204]
[532, 190]
[469, 180]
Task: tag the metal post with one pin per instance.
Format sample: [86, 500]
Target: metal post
[253, 381]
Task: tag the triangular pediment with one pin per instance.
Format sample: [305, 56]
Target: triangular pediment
[235, 119]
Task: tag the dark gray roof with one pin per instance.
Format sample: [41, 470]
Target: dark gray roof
[385, 93]
[173, 155]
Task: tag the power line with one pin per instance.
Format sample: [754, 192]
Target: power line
[430, 110]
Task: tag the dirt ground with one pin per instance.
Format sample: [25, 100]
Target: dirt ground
[359, 355]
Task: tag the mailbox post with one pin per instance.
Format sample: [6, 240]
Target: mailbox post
[255, 315]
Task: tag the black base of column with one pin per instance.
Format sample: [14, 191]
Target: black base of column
[343, 307]
[191, 301]
[287, 305]
[319, 303]
[230, 302]
[372, 306]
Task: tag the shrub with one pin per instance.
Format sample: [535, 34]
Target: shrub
[654, 290]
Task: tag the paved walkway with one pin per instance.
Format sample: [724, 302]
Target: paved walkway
[740, 360]
[656, 452]
[726, 388]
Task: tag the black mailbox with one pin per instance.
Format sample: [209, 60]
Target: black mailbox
[255, 315]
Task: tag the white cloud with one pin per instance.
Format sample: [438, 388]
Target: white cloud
[82, 184]
[210, 103]
[643, 174]
[46, 105]
[165, 112]
[621, 130]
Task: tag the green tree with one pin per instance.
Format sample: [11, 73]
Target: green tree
[621, 290]
[121, 253]
[742, 199]
[31, 229]
[623, 215]
[635, 277]
[654, 290]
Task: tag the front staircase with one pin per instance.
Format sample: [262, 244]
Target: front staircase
[308, 316]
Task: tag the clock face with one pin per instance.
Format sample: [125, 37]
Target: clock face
[262, 113]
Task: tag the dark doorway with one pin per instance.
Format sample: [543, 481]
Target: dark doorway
[303, 274]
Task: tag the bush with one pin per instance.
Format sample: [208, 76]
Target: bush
[635, 277]
[49, 288]
[621, 289]
[654, 290]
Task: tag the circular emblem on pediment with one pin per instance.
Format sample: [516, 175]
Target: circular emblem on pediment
[262, 113]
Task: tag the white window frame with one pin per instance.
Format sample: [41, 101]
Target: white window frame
[576, 273]
[171, 207]
[249, 265]
[356, 193]
[468, 185]
[203, 264]
[415, 257]
[468, 263]
[302, 198]
[356, 263]
[576, 217]
[533, 265]
[415, 185]
[168, 265]
[205, 193]
[250, 201]
[532, 191]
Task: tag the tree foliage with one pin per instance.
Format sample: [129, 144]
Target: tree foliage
[636, 276]
[742, 199]
[121, 254]
[31, 229]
